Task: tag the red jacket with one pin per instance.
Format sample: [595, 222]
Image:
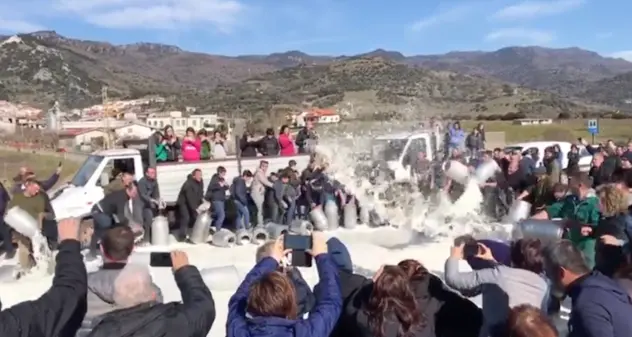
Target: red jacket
[287, 145]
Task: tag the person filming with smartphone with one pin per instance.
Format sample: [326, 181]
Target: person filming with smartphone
[502, 287]
[138, 313]
[268, 298]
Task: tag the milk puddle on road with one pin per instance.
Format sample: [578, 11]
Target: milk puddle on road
[421, 234]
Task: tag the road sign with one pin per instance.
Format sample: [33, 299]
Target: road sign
[593, 126]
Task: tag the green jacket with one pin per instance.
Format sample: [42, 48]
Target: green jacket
[585, 212]
[206, 151]
[161, 152]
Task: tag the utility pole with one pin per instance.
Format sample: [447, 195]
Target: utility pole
[104, 101]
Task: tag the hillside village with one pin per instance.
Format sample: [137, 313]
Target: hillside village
[125, 119]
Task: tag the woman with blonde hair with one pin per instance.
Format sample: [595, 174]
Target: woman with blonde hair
[613, 229]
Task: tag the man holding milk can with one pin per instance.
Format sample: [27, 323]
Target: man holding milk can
[32, 202]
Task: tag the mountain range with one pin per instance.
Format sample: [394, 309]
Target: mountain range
[43, 66]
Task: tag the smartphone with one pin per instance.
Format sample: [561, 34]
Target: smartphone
[60, 164]
[160, 259]
[471, 250]
[300, 258]
[297, 242]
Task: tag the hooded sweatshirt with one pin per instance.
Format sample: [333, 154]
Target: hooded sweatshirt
[191, 149]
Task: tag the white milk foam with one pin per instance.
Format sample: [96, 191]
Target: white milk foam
[411, 211]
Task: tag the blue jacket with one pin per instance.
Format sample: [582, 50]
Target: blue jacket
[340, 257]
[601, 308]
[239, 190]
[215, 191]
[321, 319]
[457, 137]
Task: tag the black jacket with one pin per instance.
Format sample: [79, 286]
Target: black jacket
[248, 148]
[446, 307]
[356, 319]
[60, 310]
[600, 175]
[302, 137]
[4, 199]
[193, 317]
[239, 190]
[215, 191]
[114, 205]
[191, 194]
[609, 258]
[269, 146]
[573, 164]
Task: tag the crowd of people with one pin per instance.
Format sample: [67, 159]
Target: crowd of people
[199, 145]
[522, 282]
[121, 299]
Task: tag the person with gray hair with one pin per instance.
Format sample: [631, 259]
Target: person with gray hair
[305, 299]
[138, 313]
[601, 307]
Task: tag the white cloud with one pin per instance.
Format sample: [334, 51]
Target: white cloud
[534, 9]
[625, 54]
[222, 15]
[18, 26]
[447, 16]
[521, 36]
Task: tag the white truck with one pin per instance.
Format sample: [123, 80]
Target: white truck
[78, 196]
[400, 150]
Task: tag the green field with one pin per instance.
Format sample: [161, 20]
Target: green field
[42, 163]
[619, 130]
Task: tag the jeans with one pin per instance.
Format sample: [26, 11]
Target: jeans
[101, 222]
[289, 213]
[148, 217]
[259, 201]
[219, 214]
[243, 215]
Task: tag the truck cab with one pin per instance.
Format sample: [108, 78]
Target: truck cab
[400, 150]
[77, 197]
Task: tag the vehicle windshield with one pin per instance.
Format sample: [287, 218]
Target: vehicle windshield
[388, 149]
[86, 171]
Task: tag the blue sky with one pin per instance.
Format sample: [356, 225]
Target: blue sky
[233, 27]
